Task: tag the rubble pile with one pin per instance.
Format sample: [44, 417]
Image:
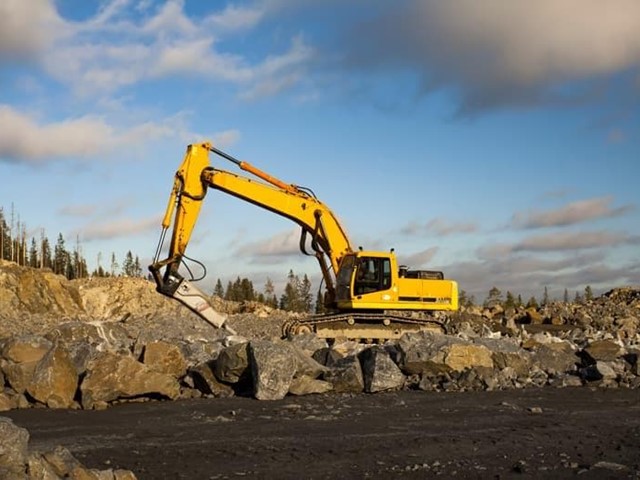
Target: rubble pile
[17, 462]
[114, 340]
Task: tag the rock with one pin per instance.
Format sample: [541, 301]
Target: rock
[459, 357]
[233, 364]
[379, 371]
[346, 376]
[599, 371]
[554, 361]
[7, 402]
[205, 381]
[61, 461]
[39, 468]
[55, 380]
[104, 336]
[305, 364]
[18, 375]
[602, 350]
[111, 376]
[163, 357]
[305, 385]
[519, 362]
[272, 369]
[423, 353]
[533, 317]
[25, 348]
[201, 350]
[14, 442]
[327, 356]
[308, 343]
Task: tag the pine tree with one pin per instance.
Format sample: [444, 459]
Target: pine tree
[270, 297]
[494, 298]
[510, 301]
[545, 297]
[218, 290]
[60, 257]
[127, 265]
[34, 261]
[137, 269]
[588, 293]
[114, 264]
[532, 303]
[566, 296]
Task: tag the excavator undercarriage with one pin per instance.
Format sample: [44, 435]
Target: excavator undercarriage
[360, 326]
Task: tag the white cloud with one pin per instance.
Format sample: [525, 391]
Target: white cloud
[23, 138]
[500, 52]
[418, 259]
[572, 213]
[113, 50]
[284, 244]
[440, 227]
[119, 228]
[572, 241]
[27, 28]
[26, 139]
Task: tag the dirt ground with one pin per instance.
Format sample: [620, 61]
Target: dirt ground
[537, 433]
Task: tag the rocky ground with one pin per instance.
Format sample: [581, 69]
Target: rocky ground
[91, 344]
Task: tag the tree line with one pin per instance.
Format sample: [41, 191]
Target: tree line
[62, 260]
[297, 295]
[511, 300]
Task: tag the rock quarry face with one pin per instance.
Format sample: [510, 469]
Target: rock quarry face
[95, 342]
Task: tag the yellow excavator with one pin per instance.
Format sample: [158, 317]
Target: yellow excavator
[367, 294]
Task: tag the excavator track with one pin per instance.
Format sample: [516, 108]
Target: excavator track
[368, 327]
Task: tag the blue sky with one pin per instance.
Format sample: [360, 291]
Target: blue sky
[498, 143]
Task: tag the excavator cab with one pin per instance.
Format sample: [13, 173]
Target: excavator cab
[363, 273]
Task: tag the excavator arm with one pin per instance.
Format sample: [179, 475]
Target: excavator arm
[194, 177]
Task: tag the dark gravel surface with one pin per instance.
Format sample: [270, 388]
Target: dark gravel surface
[535, 433]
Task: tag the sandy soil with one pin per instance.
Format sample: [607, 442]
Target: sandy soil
[537, 433]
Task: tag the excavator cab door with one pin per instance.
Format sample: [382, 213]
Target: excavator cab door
[372, 275]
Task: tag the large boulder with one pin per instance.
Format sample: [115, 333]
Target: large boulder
[423, 353]
[272, 367]
[111, 376]
[24, 348]
[305, 385]
[55, 380]
[164, 357]
[602, 351]
[14, 443]
[345, 375]
[379, 371]
[458, 357]
[232, 364]
[206, 382]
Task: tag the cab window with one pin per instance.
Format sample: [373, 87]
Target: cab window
[372, 274]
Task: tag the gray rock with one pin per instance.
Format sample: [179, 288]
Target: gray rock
[379, 371]
[346, 376]
[309, 343]
[554, 361]
[305, 385]
[14, 442]
[272, 369]
[423, 353]
[206, 382]
[233, 363]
